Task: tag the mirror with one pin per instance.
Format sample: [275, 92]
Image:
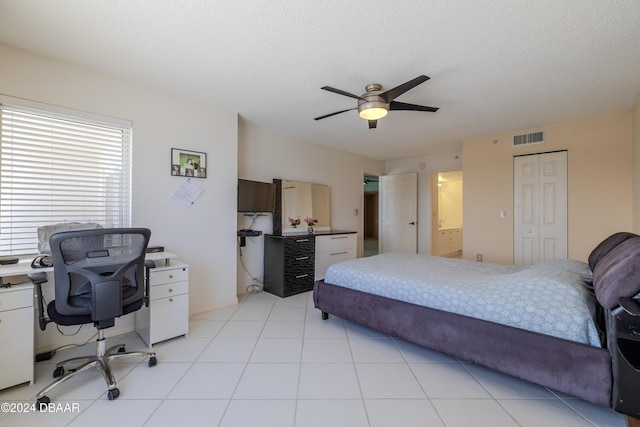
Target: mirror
[299, 200]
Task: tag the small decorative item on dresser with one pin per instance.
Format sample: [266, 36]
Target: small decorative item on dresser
[294, 222]
[310, 223]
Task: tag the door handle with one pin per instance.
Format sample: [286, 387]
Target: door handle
[412, 223]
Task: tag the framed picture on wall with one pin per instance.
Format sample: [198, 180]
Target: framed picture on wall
[192, 164]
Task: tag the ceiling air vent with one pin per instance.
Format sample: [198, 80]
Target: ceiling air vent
[528, 138]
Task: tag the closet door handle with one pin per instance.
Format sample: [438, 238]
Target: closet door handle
[339, 253]
[301, 276]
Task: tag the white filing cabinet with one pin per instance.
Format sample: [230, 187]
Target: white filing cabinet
[16, 335]
[168, 313]
[333, 248]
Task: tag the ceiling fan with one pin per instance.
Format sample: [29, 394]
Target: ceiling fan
[375, 104]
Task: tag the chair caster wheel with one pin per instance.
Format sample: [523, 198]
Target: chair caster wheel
[113, 393]
[59, 371]
[44, 400]
[153, 361]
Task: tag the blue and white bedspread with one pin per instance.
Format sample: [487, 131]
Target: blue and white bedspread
[551, 297]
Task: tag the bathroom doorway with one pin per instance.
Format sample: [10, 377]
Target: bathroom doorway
[446, 214]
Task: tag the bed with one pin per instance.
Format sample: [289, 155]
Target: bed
[571, 326]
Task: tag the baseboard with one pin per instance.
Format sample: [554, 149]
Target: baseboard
[233, 301]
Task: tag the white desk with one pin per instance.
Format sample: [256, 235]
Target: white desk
[24, 265]
[17, 320]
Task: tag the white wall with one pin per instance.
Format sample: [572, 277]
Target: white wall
[424, 167]
[203, 234]
[264, 155]
[600, 185]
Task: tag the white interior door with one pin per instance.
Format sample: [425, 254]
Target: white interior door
[398, 213]
[540, 207]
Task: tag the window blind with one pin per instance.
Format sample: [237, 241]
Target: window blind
[57, 168]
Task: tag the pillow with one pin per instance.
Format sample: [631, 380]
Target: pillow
[46, 231]
[606, 246]
[617, 274]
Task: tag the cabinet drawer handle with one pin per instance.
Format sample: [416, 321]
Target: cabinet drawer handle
[302, 258]
[302, 240]
[170, 290]
[340, 253]
[171, 276]
[340, 237]
[301, 276]
[170, 299]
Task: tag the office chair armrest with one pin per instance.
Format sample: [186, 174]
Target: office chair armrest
[147, 282]
[38, 279]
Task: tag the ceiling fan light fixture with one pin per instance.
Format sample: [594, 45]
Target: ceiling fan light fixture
[375, 104]
[373, 110]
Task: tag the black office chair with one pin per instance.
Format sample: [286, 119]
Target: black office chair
[99, 275]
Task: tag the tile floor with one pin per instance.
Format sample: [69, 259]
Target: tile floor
[274, 362]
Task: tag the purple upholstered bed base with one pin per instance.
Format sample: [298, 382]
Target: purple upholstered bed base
[577, 369]
[606, 376]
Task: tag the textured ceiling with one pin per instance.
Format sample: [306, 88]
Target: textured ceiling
[495, 66]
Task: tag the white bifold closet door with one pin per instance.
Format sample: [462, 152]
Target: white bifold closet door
[540, 207]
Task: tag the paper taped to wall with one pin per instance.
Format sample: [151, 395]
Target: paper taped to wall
[186, 194]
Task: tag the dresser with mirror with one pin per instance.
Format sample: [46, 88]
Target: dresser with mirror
[294, 257]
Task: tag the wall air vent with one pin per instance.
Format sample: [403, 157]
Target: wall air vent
[528, 138]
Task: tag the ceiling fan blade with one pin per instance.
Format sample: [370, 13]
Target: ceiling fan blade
[340, 92]
[392, 94]
[395, 105]
[333, 114]
[373, 124]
